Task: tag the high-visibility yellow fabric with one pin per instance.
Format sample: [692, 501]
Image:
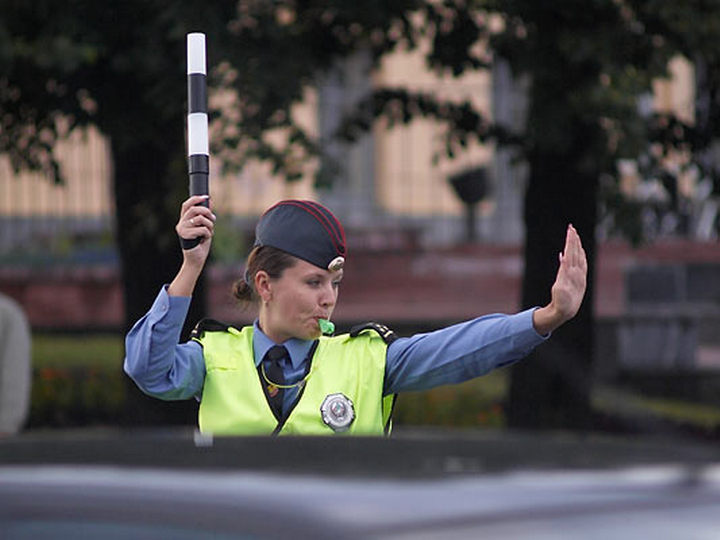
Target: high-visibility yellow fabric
[233, 402]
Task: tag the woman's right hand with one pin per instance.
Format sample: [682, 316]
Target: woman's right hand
[196, 221]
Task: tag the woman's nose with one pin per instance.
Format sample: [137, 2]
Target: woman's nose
[328, 296]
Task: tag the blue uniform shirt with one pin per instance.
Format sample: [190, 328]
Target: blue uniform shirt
[166, 369]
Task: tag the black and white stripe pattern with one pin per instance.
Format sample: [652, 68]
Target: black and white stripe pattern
[197, 121]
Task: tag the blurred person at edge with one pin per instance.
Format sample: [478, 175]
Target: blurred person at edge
[15, 369]
[282, 375]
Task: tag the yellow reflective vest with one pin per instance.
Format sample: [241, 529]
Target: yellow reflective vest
[346, 377]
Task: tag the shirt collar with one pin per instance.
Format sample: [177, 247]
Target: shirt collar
[298, 348]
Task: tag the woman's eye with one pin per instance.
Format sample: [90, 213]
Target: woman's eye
[314, 283]
[336, 284]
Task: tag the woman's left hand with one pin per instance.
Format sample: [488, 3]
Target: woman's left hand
[568, 291]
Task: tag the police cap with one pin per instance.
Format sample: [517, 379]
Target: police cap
[305, 229]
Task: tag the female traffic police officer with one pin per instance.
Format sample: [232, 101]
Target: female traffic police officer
[281, 375]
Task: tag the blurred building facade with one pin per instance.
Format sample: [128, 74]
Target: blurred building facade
[391, 178]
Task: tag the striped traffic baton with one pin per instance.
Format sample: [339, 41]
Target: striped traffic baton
[197, 123]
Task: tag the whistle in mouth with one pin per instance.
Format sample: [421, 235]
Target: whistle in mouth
[326, 327]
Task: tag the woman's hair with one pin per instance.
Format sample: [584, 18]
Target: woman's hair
[267, 258]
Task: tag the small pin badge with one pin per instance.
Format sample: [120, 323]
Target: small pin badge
[336, 264]
[272, 390]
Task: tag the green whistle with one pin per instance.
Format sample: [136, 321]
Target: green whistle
[326, 327]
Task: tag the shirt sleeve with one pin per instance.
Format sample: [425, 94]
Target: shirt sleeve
[154, 359]
[459, 352]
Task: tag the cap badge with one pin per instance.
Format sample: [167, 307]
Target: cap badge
[336, 264]
[337, 412]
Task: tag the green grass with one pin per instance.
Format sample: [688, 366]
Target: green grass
[634, 405]
[74, 351]
[77, 380]
[474, 403]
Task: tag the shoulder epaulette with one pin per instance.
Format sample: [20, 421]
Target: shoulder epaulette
[208, 325]
[388, 335]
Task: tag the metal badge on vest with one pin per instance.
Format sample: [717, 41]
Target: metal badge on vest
[337, 412]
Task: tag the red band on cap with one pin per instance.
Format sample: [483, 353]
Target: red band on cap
[338, 240]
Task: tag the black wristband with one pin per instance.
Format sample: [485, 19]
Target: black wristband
[188, 243]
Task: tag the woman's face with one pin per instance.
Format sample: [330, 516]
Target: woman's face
[293, 303]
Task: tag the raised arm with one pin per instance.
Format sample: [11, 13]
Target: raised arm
[569, 288]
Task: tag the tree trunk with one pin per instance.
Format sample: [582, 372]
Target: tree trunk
[551, 388]
[150, 183]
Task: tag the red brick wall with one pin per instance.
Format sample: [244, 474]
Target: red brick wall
[406, 286]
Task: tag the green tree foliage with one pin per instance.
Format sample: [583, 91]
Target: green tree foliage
[120, 65]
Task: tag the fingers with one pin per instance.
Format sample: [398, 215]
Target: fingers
[580, 257]
[196, 221]
[570, 284]
[573, 254]
[195, 200]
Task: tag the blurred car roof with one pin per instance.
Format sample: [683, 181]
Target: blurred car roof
[177, 484]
